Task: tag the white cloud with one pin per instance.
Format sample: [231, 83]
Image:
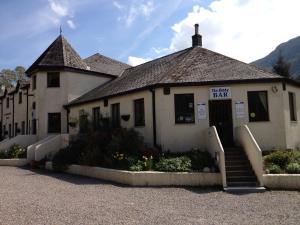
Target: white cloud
[58, 8]
[118, 5]
[134, 11]
[134, 61]
[71, 24]
[243, 29]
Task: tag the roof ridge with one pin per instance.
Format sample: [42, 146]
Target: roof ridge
[159, 58]
[63, 48]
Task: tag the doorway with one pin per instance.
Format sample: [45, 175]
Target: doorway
[220, 116]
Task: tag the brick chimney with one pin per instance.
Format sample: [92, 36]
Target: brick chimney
[197, 38]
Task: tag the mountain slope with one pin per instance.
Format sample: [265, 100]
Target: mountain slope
[290, 51]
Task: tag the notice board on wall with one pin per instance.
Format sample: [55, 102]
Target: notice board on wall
[240, 109]
[201, 111]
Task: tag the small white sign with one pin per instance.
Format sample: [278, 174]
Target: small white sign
[240, 109]
[220, 93]
[201, 108]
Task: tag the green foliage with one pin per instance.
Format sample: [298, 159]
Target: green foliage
[281, 67]
[279, 158]
[134, 164]
[293, 168]
[177, 164]
[15, 151]
[274, 169]
[200, 159]
[286, 161]
[10, 77]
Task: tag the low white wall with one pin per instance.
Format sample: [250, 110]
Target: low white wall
[50, 146]
[214, 146]
[282, 181]
[31, 148]
[22, 140]
[13, 162]
[253, 151]
[145, 178]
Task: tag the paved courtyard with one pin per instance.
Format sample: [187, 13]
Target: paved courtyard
[39, 197]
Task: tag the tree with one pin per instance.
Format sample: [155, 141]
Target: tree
[10, 77]
[282, 67]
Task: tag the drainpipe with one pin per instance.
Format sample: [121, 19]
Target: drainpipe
[27, 109]
[152, 90]
[68, 115]
[13, 115]
[1, 136]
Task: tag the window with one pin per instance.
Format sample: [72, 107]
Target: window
[115, 115]
[34, 82]
[184, 108]
[23, 127]
[139, 112]
[54, 123]
[53, 79]
[293, 111]
[20, 97]
[9, 131]
[7, 102]
[4, 131]
[33, 131]
[83, 122]
[16, 129]
[96, 118]
[258, 106]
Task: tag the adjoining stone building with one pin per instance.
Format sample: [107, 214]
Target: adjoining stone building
[171, 100]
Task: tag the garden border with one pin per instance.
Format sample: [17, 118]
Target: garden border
[145, 178]
[13, 162]
[282, 181]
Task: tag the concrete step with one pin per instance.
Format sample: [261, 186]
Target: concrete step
[241, 179]
[244, 189]
[237, 163]
[240, 173]
[241, 184]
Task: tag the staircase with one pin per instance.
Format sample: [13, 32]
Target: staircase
[239, 173]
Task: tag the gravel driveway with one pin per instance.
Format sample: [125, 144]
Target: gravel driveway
[39, 197]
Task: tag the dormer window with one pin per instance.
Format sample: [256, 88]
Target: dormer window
[53, 79]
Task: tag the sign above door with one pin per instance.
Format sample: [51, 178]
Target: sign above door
[218, 93]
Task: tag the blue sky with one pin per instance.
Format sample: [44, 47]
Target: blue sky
[134, 31]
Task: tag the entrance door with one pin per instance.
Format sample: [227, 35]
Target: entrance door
[220, 115]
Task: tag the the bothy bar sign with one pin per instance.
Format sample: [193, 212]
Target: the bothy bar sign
[220, 93]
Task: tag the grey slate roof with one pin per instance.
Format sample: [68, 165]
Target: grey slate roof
[61, 54]
[103, 64]
[195, 65]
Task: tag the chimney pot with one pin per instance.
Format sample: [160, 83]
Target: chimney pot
[196, 28]
[197, 38]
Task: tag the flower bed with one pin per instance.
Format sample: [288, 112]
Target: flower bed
[145, 178]
[282, 161]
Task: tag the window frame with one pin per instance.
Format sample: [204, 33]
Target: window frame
[7, 102]
[253, 120]
[292, 106]
[20, 97]
[136, 102]
[96, 124]
[53, 130]
[115, 122]
[181, 111]
[33, 82]
[50, 79]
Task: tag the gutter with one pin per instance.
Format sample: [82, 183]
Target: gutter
[152, 90]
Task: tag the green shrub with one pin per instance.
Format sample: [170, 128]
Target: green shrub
[273, 168]
[15, 151]
[200, 159]
[295, 156]
[293, 168]
[177, 164]
[134, 164]
[279, 158]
